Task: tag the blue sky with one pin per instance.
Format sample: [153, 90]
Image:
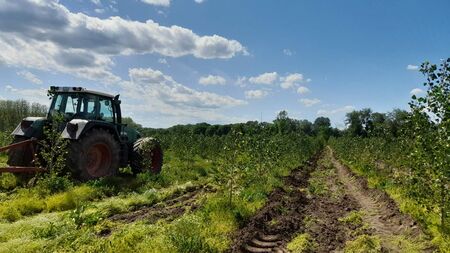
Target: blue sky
[188, 61]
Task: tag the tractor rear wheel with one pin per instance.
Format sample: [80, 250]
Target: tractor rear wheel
[95, 155]
[147, 156]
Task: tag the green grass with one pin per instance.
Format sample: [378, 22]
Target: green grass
[301, 243]
[57, 215]
[354, 218]
[363, 244]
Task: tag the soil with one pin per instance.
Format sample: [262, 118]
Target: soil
[381, 212]
[292, 210]
[169, 209]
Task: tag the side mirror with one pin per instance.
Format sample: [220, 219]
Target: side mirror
[116, 100]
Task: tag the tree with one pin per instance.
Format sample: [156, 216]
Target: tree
[322, 127]
[430, 122]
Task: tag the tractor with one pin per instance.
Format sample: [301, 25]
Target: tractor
[98, 142]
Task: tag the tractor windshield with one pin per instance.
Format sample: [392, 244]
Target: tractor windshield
[81, 106]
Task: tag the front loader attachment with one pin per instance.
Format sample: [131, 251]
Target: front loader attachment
[30, 144]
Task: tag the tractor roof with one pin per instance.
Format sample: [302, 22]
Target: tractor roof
[78, 90]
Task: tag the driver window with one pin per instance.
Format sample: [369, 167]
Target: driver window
[106, 110]
[88, 108]
[71, 105]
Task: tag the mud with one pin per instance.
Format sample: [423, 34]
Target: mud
[292, 210]
[280, 218]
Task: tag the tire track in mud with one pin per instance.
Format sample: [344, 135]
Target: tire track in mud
[275, 224]
[296, 209]
[170, 208]
[380, 211]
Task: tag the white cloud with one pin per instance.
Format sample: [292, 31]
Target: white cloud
[291, 80]
[162, 61]
[199, 1]
[96, 2]
[160, 93]
[212, 80]
[416, 91]
[99, 10]
[29, 76]
[309, 102]
[266, 78]
[256, 94]
[164, 3]
[158, 100]
[38, 95]
[412, 67]
[302, 90]
[241, 81]
[288, 52]
[344, 109]
[46, 35]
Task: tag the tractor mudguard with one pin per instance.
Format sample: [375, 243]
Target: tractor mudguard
[76, 128]
[30, 127]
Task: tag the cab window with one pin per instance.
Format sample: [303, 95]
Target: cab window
[106, 110]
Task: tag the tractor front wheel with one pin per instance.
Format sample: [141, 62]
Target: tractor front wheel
[95, 155]
[147, 156]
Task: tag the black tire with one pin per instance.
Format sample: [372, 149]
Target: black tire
[95, 155]
[20, 156]
[147, 156]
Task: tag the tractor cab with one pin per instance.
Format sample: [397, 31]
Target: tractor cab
[80, 103]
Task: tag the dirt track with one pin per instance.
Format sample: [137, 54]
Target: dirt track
[315, 200]
[170, 208]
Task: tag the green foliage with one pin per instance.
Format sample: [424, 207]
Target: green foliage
[70, 199]
[354, 218]
[12, 113]
[16, 208]
[80, 217]
[7, 181]
[53, 148]
[186, 236]
[431, 139]
[301, 243]
[5, 138]
[363, 244]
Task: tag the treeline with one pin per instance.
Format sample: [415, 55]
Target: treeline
[12, 112]
[281, 125]
[365, 123]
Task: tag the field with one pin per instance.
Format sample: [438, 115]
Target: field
[306, 200]
[380, 185]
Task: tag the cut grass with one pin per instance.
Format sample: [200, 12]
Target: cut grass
[301, 243]
[363, 244]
